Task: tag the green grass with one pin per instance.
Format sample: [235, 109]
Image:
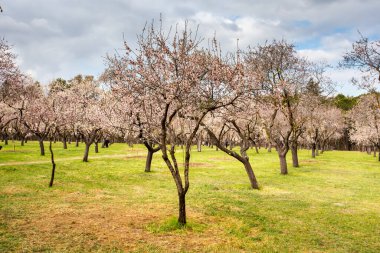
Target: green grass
[329, 204]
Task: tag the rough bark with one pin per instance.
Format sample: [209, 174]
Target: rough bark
[313, 150]
[64, 141]
[53, 165]
[251, 175]
[283, 165]
[42, 147]
[148, 162]
[86, 151]
[294, 151]
[182, 209]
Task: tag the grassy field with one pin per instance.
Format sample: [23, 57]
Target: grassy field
[329, 204]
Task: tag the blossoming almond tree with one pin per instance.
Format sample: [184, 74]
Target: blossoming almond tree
[364, 55]
[88, 119]
[170, 80]
[366, 118]
[332, 126]
[9, 71]
[243, 121]
[284, 75]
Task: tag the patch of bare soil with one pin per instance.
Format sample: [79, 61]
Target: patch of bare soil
[11, 190]
[107, 227]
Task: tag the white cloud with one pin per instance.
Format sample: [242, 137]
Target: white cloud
[62, 38]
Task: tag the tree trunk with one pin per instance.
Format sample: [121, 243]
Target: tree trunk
[148, 162]
[182, 209]
[76, 142]
[313, 150]
[284, 166]
[270, 148]
[96, 147]
[64, 140]
[22, 141]
[6, 140]
[86, 151]
[251, 175]
[42, 147]
[53, 165]
[257, 150]
[199, 144]
[317, 149]
[295, 156]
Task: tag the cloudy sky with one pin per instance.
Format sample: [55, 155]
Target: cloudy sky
[62, 38]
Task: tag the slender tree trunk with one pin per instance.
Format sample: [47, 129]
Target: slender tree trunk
[86, 151]
[42, 147]
[96, 147]
[148, 162]
[64, 140]
[251, 175]
[199, 144]
[283, 165]
[6, 140]
[182, 209]
[294, 151]
[317, 149]
[243, 158]
[76, 142]
[269, 147]
[22, 141]
[257, 150]
[313, 150]
[53, 165]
